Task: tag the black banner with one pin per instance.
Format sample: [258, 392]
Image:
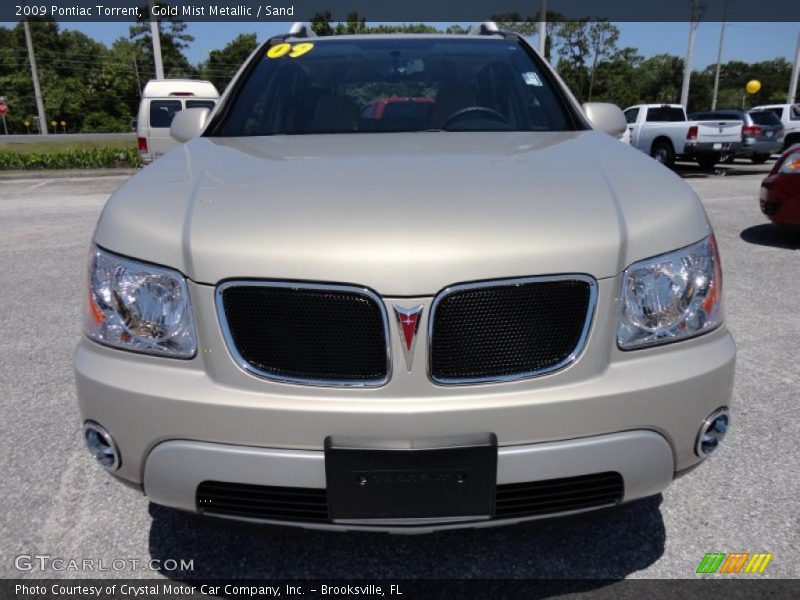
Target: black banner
[404, 11]
[743, 588]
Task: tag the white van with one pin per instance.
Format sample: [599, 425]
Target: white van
[161, 100]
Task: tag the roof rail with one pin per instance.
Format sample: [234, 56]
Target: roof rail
[485, 28]
[300, 29]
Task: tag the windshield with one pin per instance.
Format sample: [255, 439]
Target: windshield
[400, 84]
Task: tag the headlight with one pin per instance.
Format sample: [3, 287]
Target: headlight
[791, 164]
[671, 297]
[139, 307]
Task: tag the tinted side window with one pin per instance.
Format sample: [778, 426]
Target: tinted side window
[163, 111]
[796, 112]
[765, 117]
[631, 115]
[665, 113]
[209, 104]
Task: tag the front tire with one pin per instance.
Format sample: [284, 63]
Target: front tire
[708, 161]
[663, 152]
[759, 159]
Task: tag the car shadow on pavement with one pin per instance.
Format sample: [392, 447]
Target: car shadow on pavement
[768, 234]
[606, 546]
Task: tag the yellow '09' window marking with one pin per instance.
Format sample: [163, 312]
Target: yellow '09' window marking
[293, 51]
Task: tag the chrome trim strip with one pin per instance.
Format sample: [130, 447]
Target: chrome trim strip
[576, 352]
[299, 285]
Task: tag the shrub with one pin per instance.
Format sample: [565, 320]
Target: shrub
[82, 158]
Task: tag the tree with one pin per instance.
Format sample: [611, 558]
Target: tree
[616, 78]
[321, 24]
[174, 40]
[352, 26]
[527, 26]
[603, 38]
[659, 78]
[84, 83]
[222, 65]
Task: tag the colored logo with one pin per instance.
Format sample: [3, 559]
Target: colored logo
[734, 563]
[408, 323]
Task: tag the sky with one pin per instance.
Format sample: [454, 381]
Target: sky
[749, 42]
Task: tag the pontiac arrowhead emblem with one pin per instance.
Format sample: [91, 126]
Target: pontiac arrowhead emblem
[408, 325]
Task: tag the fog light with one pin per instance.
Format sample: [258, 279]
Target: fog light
[101, 445]
[712, 432]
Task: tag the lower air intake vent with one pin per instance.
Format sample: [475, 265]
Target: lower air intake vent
[276, 503]
[558, 495]
[262, 501]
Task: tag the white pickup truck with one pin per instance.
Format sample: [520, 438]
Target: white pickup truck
[664, 132]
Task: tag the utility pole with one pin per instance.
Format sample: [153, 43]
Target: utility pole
[543, 27]
[795, 73]
[156, 37]
[136, 70]
[37, 91]
[719, 55]
[687, 68]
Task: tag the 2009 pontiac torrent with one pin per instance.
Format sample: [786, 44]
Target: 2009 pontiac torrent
[402, 283]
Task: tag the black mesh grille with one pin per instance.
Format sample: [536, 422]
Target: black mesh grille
[322, 335]
[507, 330]
[548, 497]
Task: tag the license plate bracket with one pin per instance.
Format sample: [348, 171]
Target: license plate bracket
[443, 478]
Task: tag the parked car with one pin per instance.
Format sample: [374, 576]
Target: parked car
[789, 114]
[664, 132]
[780, 191]
[161, 101]
[495, 315]
[762, 132]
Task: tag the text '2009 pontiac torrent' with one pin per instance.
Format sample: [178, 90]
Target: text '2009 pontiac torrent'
[402, 283]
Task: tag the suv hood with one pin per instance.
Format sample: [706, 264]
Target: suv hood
[405, 214]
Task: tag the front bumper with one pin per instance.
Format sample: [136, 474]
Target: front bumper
[175, 469]
[779, 199]
[192, 420]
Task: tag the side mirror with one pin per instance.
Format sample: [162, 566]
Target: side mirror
[189, 124]
[606, 117]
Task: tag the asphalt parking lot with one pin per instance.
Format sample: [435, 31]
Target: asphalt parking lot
[58, 502]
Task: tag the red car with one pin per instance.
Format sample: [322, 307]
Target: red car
[780, 191]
